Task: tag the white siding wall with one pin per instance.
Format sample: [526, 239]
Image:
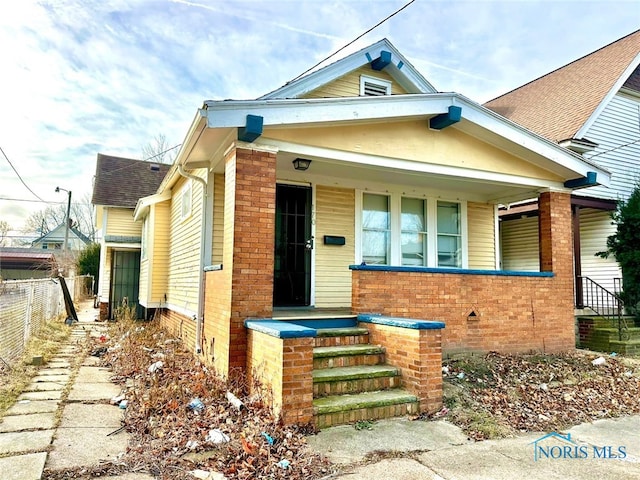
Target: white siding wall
[595, 227]
[617, 125]
[520, 245]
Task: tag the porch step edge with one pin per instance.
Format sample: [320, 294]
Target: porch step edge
[342, 403]
[341, 332]
[347, 350]
[340, 374]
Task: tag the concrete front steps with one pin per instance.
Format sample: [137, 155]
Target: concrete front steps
[601, 335]
[352, 382]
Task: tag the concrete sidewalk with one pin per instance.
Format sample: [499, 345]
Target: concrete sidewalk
[400, 449]
[63, 418]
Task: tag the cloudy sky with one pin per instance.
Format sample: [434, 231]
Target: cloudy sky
[81, 77]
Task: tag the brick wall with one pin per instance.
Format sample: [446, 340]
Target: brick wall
[282, 368]
[179, 325]
[512, 313]
[418, 355]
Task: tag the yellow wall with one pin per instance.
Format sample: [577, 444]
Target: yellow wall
[218, 219]
[105, 276]
[143, 285]
[184, 248]
[414, 141]
[160, 272]
[334, 215]
[349, 84]
[120, 222]
[481, 236]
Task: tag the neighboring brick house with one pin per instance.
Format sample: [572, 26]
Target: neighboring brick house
[356, 189]
[591, 106]
[118, 184]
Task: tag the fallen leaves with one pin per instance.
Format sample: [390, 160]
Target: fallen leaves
[226, 432]
[541, 392]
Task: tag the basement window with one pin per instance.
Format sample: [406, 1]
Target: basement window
[374, 87]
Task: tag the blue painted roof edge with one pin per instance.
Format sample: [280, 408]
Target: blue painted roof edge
[279, 329]
[458, 271]
[401, 322]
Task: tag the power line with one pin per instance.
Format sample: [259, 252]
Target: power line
[353, 41]
[16, 171]
[41, 201]
[143, 160]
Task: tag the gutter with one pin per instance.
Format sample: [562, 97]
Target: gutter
[200, 315]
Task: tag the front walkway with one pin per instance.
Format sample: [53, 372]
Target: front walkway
[64, 420]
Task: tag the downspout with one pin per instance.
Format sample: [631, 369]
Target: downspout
[200, 318]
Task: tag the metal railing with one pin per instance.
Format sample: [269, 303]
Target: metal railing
[604, 303]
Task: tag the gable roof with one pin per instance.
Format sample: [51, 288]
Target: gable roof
[120, 182]
[399, 69]
[57, 235]
[560, 105]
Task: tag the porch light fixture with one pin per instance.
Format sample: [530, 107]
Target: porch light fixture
[301, 164]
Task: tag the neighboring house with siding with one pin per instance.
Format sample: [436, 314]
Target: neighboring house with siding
[118, 184]
[356, 189]
[591, 106]
[54, 240]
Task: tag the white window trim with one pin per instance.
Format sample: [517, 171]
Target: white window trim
[379, 82]
[432, 237]
[186, 190]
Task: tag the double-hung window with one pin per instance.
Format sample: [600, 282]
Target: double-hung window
[402, 230]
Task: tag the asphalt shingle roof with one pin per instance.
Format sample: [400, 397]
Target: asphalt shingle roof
[121, 182]
[559, 103]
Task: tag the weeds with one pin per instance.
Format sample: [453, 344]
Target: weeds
[45, 343]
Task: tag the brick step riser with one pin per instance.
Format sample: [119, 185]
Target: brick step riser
[324, 389]
[348, 361]
[341, 341]
[373, 413]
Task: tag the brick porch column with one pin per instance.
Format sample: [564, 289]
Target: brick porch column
[249, 236]
[556, 255]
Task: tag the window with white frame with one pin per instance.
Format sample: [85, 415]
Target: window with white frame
[145, 238]
[185, 201]
[402, 230]
[376, 229]
[374, 87]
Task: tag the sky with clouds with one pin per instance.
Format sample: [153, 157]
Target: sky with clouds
[82, 77]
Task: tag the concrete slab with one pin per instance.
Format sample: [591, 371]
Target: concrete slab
[85, 447]
[15, 442]
[624, 431]
[23, 467]
[34, 421]
[91, 415]
[44, 386]
[60, 364]
[93, 392]
[32, 406]
[53, 371]
[345, 444]
[43, 395]
[396, 468]
[91, 361]
[93, 375]
[60, 378]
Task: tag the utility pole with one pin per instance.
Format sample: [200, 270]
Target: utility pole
[67, 220]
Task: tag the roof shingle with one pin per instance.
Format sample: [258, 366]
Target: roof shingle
[121, 182]
[559, 103]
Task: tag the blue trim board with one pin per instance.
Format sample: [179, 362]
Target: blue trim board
[382, 61]
[455, 271]
[401, 322]
[252, 130]
[589, 181]
[327, 323]
[453, 115]
[279, 329]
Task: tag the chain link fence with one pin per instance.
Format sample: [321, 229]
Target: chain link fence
[25, 306]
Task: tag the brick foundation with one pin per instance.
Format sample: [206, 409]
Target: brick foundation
[104, 311]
